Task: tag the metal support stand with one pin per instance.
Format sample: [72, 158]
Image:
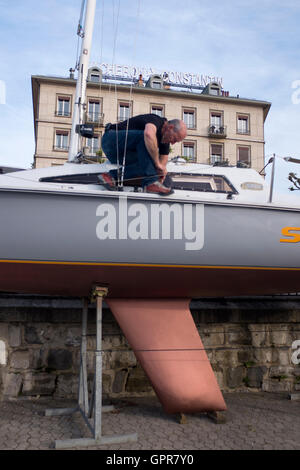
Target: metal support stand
[95, 407]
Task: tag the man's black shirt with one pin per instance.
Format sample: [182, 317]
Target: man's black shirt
[138, 123]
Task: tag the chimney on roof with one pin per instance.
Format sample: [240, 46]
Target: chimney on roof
[72, 73]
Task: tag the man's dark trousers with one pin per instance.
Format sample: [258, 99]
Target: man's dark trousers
[138, 161]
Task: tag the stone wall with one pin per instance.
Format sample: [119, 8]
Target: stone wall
[248, 341]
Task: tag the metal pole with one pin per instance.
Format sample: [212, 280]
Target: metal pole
[272, 179]
[98, 370]
[83, 399]
[79, 103]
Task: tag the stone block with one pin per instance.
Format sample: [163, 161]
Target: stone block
[3, 331]
[113, 360]
[238, 335]
[280, 371]
[12, 384]
[234, 376]
[245, 356]
[59, 359]
[107, 383]
[38, 384]
[73, 337]
[263, 356]
[274, 385]
[255, 376]
[20, 360]
[119, 381]
[212, 336]
[31, 335]
[226, 357]
[280, 335]
[66, 386]
[138, 381]
[258, 335]
[14, 335]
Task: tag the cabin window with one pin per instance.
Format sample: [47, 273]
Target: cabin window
[86, 178]
[205, 183]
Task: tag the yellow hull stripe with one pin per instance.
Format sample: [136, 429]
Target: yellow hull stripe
[78, 263]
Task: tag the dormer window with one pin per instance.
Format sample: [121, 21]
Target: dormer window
[95, 75]
[155, 81]
[213, 88]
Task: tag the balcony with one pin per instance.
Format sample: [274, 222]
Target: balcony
[95, 118]
[217, 131]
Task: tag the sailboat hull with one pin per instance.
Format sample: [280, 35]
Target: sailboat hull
[63, 244]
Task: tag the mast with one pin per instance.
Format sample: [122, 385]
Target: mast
[79, 104]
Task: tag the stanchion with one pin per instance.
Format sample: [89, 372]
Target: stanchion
[91, 413]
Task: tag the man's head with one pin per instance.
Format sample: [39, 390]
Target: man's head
[173, 131]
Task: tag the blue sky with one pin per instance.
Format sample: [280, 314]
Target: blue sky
[254, 45]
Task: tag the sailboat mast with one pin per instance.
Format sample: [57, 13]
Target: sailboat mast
[82, 77]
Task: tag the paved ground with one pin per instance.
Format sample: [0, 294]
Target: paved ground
[254, 421]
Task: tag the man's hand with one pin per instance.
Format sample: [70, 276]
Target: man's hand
[161, 171]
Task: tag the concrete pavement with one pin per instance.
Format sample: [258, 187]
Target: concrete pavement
[254, 421]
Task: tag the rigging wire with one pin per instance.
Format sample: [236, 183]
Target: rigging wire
[130, 96]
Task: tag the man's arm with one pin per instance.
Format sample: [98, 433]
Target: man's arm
[160, 161]
[151, 142]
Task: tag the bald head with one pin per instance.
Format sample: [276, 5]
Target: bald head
[173, 131]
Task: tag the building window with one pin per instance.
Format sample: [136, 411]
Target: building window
[95, 75]
[94, 144]
[158, 110]
[189, 151]
[189, 118]
[216, 120]
[94, 111]
[243, 122]
[124, 111]
[63, 106]
[216, 153]
[243, 155]
[61, 140]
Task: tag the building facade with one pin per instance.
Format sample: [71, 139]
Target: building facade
[220, 127]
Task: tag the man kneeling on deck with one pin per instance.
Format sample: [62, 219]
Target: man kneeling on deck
[145, 141]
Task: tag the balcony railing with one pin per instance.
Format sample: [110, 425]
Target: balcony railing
[95, 118]
[217, 131]
[215, 159]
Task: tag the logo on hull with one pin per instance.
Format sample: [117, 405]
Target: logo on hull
[293, 237]
[152, 221]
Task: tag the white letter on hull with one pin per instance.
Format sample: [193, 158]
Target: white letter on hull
[198, 234]
[163, 212]
[122, 217]
[138, 227]
[107, 226]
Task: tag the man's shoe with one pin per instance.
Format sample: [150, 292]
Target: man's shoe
[158, 188]
[107, 181]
